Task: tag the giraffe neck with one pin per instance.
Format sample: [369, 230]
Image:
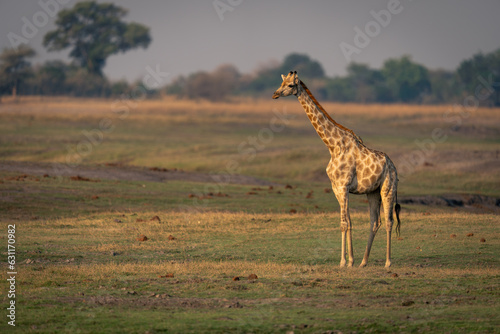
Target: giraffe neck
[329, 131]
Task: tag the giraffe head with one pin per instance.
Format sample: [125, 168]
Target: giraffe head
[289, 86]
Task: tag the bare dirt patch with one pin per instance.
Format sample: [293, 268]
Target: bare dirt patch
[152, 301]
[123, 173]
[475, 202]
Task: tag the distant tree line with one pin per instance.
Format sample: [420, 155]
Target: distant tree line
[94, 31]
[399, 80]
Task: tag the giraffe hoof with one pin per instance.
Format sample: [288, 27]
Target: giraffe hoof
[388, 264]
[342, 264]
[362, 265]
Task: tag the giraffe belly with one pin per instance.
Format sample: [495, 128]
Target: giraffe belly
[354, 180]
[367, 185]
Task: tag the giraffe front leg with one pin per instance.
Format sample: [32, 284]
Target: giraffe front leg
[345, 227]
[349, 242]
[342, 252]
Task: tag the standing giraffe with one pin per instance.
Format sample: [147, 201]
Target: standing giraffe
[353, 168]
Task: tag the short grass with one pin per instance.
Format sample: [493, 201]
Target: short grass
[89, 273]
[81, 267]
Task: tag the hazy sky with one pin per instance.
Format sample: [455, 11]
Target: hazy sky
[189, 35]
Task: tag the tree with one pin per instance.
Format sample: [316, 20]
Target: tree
[266, 78]
[405, 79]
[368, 82]
[94, 32]
[51, 77]
[302, 63]
[480, 76]
[14, 68]
[445, 86]
[214, 86]
[340, 89]
[80, 82]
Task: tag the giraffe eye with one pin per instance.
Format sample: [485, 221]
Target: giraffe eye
[291, 86]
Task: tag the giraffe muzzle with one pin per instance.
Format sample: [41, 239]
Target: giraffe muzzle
[276, 95]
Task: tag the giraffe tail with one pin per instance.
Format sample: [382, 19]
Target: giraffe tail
[397, 209]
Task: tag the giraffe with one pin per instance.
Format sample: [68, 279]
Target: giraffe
[353, 168]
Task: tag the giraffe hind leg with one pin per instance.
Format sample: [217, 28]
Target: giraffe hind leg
[374, 200]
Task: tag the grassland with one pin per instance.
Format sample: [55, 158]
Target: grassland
[82, 266]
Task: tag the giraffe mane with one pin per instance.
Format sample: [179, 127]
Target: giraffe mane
[320, 107]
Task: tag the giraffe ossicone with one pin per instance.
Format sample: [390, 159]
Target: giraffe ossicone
[353, 169]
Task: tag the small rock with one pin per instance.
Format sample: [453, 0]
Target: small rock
[171, 237]
[453, 236]
[394, 275]
[470, 234]
[131, 293]
[142, 237]
[483, 240]
[156, 218]
[236, 278]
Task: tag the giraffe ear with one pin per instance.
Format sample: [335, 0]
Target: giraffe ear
[283, 77]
